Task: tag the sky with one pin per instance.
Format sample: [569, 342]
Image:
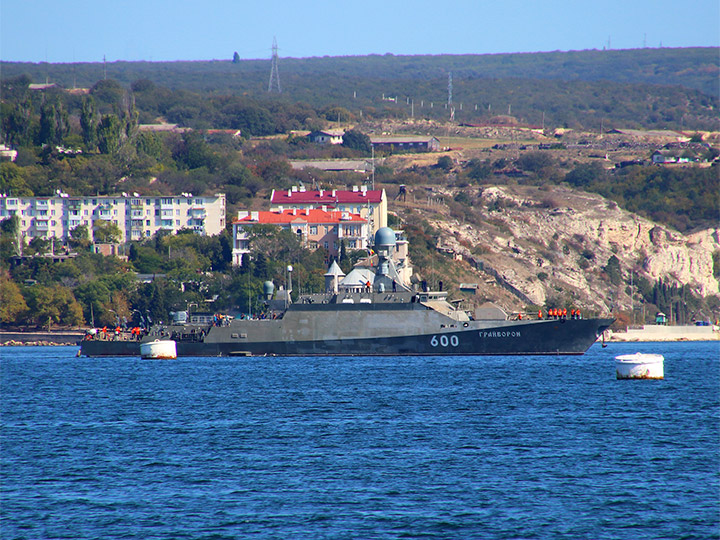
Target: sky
[163, 30]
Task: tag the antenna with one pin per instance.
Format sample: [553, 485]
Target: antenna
[274, 74]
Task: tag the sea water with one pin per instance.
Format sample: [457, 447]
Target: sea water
[364, 447]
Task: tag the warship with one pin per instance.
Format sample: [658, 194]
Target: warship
[379, 314]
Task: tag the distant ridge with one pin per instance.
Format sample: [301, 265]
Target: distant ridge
[692, 67]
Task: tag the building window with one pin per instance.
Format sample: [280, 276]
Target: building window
[313, 229]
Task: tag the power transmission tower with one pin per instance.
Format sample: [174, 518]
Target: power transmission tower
[450, 101]
[274, 74]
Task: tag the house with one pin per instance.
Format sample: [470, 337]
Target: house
[405, 143]
[664, 156]
[370, 204]
[316, 227]
[7, 153]
[328, 136]
[162, 127]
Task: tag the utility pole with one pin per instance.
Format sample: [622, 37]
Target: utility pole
[450, 97]
[274, 74]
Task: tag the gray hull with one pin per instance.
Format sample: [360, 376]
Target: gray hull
[380, 328]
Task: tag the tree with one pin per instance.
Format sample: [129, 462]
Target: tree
[54, 124]
[585, 174]
[88, 123]
[79, 237]
[12, 303]
[12, 180]
[106, 232]
[445, 163]
[53, 305]
[612, 269]
[535, 161]
[109, 134]
[357, 140]
[479, 170]
[236, 58]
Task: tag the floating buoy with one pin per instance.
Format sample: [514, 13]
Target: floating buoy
[160, 349]
[639, 366]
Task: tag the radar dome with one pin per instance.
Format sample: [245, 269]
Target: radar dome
[385, 237]
[268, 289]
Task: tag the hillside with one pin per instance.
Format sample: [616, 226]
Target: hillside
[659, 88]
[561, 247]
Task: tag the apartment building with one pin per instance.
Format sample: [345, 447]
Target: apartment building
[136, 216]
[315, 227]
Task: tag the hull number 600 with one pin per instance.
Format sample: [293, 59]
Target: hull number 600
[445, 341]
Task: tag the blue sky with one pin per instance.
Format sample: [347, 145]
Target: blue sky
[84, 31]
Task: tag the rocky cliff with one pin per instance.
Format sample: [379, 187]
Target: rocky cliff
[559, 246]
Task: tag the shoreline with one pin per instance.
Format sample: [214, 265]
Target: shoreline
[647, 334]
[659, 333]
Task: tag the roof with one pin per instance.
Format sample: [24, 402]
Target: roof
[334, 270]
[656, 133]
[329, 132]
[358, 277]
[396, 139]
[327, 197]
[288, 216]
[333, 164]
[163, 127]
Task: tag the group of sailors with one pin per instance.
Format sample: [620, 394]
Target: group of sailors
[119, 333]
[557, 313]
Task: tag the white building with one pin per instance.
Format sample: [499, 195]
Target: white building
[136, 216]
[327, 136]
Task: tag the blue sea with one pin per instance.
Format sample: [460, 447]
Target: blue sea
[365, 447]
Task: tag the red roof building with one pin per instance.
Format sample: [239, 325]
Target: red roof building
[370, 204]
[315, 227]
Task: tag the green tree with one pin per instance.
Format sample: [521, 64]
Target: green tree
[106, 232]
[79, 237]
[357, 140]
[445, 163]
[53, 305]
[479, 170]
[109, 134]
[236, 58]
[612, 269]
[586, 174]
[12, 304]
[535, 161]
[12, 180]
[88, 123]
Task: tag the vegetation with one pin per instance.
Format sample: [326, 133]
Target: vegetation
[93, 143]
[659, 88]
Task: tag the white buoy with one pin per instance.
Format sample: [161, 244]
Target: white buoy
[639, 366]
[160, 349]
